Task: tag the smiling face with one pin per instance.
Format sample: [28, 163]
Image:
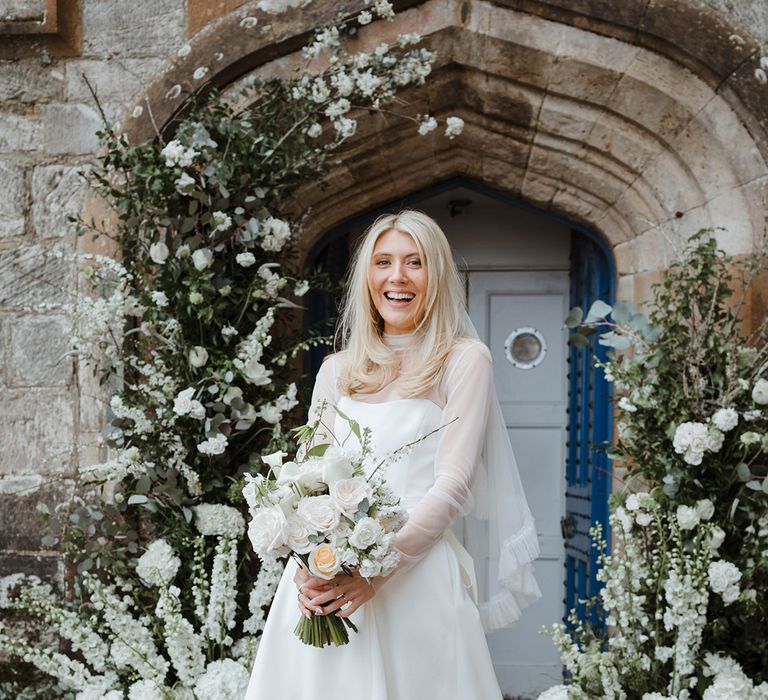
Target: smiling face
[397, 281]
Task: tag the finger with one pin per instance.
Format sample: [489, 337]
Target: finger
[327, 596]
[349, 609]
[303, 609]
[335, 605]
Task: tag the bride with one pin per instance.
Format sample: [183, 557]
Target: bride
[411, 362]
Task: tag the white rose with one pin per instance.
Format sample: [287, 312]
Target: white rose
[687, 517]
[198, 356]
[202, 258]
[716, 538]
[633, 502]
[266, 530]
[369, 568]
[196, 410]
[324, 561]
[347, 494]
[389, 562]
[643, 519]
[366, 532]
[723, 575]
[714, 439]
[319, 512]
[760, 392]
[725, 419]
[705, 509]
[296, 534]
[158, 252]
[245, 259]
[690, 441]
[256, 373]
[182, 404]
[216, 445]
[336, 465]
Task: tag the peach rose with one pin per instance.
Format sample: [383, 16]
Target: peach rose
[324, 562]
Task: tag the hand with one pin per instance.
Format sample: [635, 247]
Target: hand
[309, 587]
[349, 591]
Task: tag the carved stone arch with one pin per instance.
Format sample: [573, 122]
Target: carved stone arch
[596, 115]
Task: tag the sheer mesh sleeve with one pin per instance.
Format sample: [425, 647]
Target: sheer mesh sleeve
[325, 389]
[468, 381]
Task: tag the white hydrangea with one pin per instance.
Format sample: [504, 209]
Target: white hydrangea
[725, 419]
[216, 519]
[158, 565]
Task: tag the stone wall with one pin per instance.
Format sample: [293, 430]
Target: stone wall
[584, 108]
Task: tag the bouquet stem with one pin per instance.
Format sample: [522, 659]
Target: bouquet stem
[322, 630]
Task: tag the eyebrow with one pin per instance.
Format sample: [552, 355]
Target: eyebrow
[384, 254]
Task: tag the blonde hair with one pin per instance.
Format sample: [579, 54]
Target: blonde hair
[369, 364]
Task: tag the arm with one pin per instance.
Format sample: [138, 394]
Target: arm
[324, 390]
[468, 385]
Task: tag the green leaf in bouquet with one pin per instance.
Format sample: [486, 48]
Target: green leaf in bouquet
[765, 485]
[598, 311]
[755, 485]
[243, 424]
[353, 424]
[623, 311]
[136, 498]
[574, 317]
[362, 510]
[614, 340]
[743, 471]
[318, 450]
[143, 484]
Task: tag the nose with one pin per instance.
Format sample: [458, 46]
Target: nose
[397, 271]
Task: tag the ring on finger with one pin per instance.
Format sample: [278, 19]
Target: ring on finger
[346, 605]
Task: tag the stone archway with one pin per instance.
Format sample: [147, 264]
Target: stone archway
[583, 118]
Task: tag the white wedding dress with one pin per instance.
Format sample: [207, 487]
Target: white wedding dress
[420, 636]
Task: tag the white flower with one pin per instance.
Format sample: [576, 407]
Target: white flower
[159, 299]
[217, 519]
[714, 439]
[185, 184]
[760, 392]
[337, 108]
[319, 512]
[690, 440]
[347, 494]
[724, 579]
[643, 519]
[183, 404]
[158, 252]
[627, 405]
[367, 83]
[245, 259]
[202, 258]
[301, 289]
[256, 373]
[274, 460]
[346, 127]
[176, 154]
[145, 690]
[224, 680]
[266, 530]
[213, 446]
[753, 415]
[200, 72]
[383, 8]
[717, 537]
[633, 502]
[297, 534]
[427, 124]
[369, 568]
[228, 331]
[270, 413]
[624, 518]
[364, 17]
[320, 91]
[198, 356]
[158, 565]
[657, 696]
[705, 509]
[195, 298]
[749, 438]
[220, 221]
[315, 130]
[366, 533]
[454, 126]
[277, 232]
[557, 692]
[182, 251]
[725, 419]
[687, 517]
[336, 465]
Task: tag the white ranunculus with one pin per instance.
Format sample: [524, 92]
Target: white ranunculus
[320, 512]
[366, 533]
[202, 258]
[213, 446]
[158, 252]
[687, 517]
[369, 568]
[760, 392]
[705, 508]
[347, 494]
[690, 440]
[297, 534]
[256, 373]
[245, 259]
[198, 356]
[266, 530]
[336, 465]
[725, 419]
[182, 404]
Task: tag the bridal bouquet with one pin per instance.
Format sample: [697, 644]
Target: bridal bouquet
[324, 511]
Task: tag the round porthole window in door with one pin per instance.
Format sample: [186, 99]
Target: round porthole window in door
[525, 347]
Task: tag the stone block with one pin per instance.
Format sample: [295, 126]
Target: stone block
[37, 348]
[71, 129]
[32, 275]
[38, 430]
[19, 133]
[44, 566]
[58, 192]
[141, 27]
[13, 199]
[21, 526]
[627, 143]
[30, 81]
[731, 211]
[672, 184]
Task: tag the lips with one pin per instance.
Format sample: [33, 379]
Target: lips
[399, 298]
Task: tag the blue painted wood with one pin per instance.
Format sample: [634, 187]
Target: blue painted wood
[590, 424]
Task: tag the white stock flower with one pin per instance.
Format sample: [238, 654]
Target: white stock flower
[347, 494]
[245, 259]
[760, 392]
[266, 530]
[454, 127]
[159, 299]
[690, 440]
[202, 258]
[725, 419]
[213, 446]
[218, 519]
[687, 517]
[220, 221]
[198, 356]
[158, 565]
[705, 509]
[224, 680]
[158, 252]
[724, 579]
[366, 533]
[319, 512]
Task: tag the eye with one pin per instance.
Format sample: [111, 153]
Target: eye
[416, 262]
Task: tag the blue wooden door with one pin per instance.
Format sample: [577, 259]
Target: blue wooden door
[590, 425]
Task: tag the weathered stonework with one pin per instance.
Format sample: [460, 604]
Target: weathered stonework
[12, 199]
[57, 193]
[37, 348]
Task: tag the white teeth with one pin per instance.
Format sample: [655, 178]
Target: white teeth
[398, 295]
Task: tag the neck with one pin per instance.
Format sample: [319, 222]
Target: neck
[398, 341]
